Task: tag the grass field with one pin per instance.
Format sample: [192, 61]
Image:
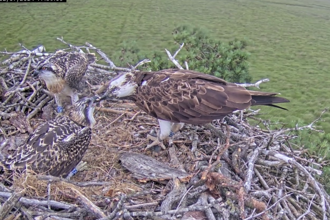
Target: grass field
[288, 39]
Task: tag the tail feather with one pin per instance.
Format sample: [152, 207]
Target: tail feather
[268, 99]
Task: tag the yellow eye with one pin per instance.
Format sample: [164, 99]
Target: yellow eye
[44, 68]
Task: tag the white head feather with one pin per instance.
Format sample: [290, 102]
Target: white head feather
[48, 76]
[122, 86]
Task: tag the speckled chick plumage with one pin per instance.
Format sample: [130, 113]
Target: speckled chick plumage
[63, 72]
[56, 146]
[68, 67]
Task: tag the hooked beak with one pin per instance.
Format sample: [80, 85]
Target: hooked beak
[106, 96]
[35, 73]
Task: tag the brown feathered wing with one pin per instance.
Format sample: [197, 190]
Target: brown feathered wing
[192, 97]
[54, 148]
[71, 66]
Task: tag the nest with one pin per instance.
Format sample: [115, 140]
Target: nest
[230, 170]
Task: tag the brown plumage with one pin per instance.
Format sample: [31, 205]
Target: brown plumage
[192, 97]
[186, 96]
[56, 146]
[63, 72]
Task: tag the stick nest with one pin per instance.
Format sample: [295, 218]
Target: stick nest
[235, 171]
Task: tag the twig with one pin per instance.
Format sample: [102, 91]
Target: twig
[7, 115]
[249, 174]
[269, 208]
[70, 45]
[118, 207]
[208, 212]
[186, 64]
[9, 204]
[26, 72]
[73, 215]
[80, 184]
[91, 207]
[103, 55]
[181, 210]
[253, 84]
[35, 202]
[217, 132]
[100, 66]
[39, 107]
[324, 200]
[172, 197]
[114, 121]
[142, 62]
[172, 58]
[26, 212]
[310, 126]
[114, 111]
[142, 205]
[176, 53]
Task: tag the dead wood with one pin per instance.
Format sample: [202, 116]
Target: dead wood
[146, 168]
[36, 202]
[9, 204]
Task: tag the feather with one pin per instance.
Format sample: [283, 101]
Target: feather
[63, 72]
[58, 145]
[192, 97]
[184, 96]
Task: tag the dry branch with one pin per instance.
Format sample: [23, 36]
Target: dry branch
[9, 204]
[146, 168]
[36, 202]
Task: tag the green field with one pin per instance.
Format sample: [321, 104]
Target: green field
[288, 39]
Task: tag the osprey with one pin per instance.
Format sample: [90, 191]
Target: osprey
[177, 96]
[62, 73]
[56, 146]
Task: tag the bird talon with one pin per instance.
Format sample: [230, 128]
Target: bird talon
[155, 142]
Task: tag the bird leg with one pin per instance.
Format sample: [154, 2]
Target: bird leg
[156, 141]
[58, 102]
[80, 167]
[167, 129]
[70, 92]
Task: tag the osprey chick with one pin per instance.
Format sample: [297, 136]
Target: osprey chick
[185, 96]
[63, 72]
[56, 146]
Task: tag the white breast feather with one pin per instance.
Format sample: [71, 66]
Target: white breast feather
[48, 76]
[124, 88]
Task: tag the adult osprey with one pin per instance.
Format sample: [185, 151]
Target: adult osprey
[184, 96]
[63, 72]
[56, 146]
